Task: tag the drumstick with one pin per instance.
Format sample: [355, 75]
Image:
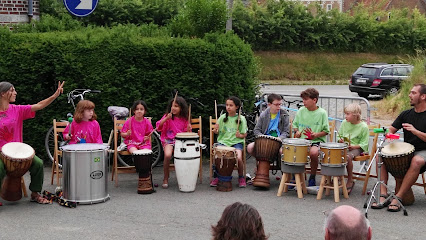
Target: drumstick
[215, 109]
[238, 122]
[174, 100]
[189, 115]
[349, 139]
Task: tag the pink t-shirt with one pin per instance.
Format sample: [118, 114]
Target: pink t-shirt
[170, 128]
[11, 123]
[139, 130]
[87, 130]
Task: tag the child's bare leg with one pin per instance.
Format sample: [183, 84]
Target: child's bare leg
[240, 162]
[168, 151]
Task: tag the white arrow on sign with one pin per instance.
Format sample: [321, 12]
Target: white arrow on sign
[85, 4]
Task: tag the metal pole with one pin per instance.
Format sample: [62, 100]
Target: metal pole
[229, 4]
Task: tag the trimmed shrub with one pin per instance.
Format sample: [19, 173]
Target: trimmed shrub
[126, 67]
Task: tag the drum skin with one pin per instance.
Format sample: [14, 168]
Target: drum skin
[17, 158]
[295, 151]
[333, 154]
[225, 160]
[143, 159]
[266, 147]
[397, 158]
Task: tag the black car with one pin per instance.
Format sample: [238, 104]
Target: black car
[378, 78]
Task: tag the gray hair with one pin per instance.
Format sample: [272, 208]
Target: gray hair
[5, 86]
[339, 229]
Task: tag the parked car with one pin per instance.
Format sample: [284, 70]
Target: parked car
[379, 78]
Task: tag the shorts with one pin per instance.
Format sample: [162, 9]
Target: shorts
[168, 142]
[315, 144]
[421, 153]
[238, 146]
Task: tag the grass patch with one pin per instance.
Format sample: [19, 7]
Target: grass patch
[316, 68]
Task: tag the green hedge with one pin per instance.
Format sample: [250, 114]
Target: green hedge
[125, 66]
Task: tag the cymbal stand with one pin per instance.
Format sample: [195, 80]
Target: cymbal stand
[375, 192]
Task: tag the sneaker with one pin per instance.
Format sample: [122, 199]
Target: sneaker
[242, 182]
[311, 182]
[214, 182]
[293, 180]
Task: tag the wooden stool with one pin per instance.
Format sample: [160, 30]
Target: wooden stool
[338, 174]
[300, 180]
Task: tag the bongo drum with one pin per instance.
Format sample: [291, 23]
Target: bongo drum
[295, 151]
[187, 160]
[266, 150]
[397, 158]
[17, 158]
[143, 159]
[225, 159]
[333, 154]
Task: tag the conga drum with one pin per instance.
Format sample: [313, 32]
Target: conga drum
[333, 154]
[225, 159]
[295, 151]
[397, 158]
[17, 158]
[266, 149]
[187, 160]
[143, 159]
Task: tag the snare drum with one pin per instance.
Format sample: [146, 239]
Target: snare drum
[85, 170]
[17, 158]
[225, 160]
[266, 150]
[142, 159]
[296, 151]
[397, 158]
[187, 160]
[333, 154]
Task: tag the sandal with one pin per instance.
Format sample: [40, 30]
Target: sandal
[383, 204]
[398, 206]
[41, 200]
[349, 189]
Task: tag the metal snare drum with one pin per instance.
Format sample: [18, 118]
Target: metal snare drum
[85, 170]
[296, 151]
[333, 154]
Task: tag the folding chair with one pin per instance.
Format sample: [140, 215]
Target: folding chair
[212, 138]
[58, 128]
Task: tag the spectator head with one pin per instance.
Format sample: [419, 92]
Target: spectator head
[347, 223]
[239, 222]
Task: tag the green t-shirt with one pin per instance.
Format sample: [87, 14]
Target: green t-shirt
[317, 120]
[227, 130]
[359, 133]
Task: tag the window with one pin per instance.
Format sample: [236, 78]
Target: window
[387, 72]
[401, 71]
[329, 7]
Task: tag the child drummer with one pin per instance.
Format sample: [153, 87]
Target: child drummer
[311, 122]
[274, 121]
[355, 132]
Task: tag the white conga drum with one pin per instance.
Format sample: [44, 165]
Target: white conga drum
[187, 160]
[17, 158]
[85, 173]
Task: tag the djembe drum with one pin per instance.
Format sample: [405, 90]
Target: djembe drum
[143, 159]
[266, 149]
[17, 158]
[225, 159]
[397, 158]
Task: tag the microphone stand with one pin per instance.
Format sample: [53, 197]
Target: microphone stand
[375, 192]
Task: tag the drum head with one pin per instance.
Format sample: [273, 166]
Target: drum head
[84, 147]
[269, 137]
[333, 145]
[397, 148]
[296, 141]
[142, 152]
[185, 135]
[224, 148]
[17, 150]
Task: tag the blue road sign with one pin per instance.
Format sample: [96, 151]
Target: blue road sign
[80, 8]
